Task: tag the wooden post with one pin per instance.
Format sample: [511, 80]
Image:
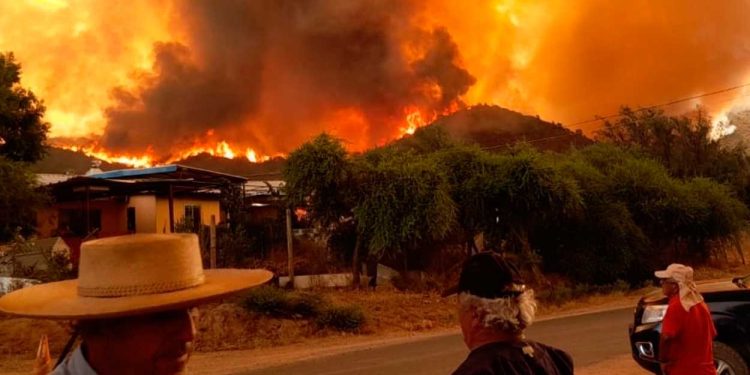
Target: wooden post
[212, 240]
[171, 209]
[88, 211]
[290, 253]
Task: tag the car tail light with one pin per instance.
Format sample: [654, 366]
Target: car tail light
[653, 313]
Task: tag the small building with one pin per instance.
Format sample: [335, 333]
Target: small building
[162, 199]
[36, 257]
[264, 200]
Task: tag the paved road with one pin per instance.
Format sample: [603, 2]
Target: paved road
[588, 338]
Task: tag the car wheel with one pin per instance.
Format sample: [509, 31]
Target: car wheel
[728, 361]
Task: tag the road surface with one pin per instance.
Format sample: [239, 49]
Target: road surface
[589, 338]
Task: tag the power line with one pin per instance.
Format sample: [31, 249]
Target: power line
[529, 141]
[664, 104]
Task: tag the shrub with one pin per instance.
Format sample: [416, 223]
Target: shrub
[280, 303]
[305, 304]
[343, 318]
[418, 282]
[267, 300]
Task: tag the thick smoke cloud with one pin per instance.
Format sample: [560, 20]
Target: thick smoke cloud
[270, 74]
[570, 61]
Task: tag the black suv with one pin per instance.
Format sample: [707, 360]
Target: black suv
[729, 302]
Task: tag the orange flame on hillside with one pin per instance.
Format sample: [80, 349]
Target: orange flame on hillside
[133, 161]
[221, 149]
[158, 73]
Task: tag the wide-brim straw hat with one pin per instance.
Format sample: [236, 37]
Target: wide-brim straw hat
[132, 275]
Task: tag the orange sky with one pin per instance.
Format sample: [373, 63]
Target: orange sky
[166, 76]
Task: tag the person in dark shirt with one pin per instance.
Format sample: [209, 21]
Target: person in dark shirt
[494, 309]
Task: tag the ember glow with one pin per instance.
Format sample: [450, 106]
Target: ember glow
[152, 81]
[134, 161]
[148, 159]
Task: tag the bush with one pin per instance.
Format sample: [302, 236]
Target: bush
[418, 282]
[305, 305]
[267, 300]
[343, 318]
[280, 303]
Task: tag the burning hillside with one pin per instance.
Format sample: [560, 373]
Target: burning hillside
[145, 82]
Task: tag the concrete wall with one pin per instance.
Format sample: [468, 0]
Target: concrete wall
[145, 213]
[113, 217]
[208, 208]
[151, 214]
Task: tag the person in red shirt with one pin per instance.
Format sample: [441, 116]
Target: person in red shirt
[686, 343]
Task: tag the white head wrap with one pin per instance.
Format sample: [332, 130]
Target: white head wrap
[683, 275]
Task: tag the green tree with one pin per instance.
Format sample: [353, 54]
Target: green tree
[519, 190]
[22, 129]
[317, 176]
[461, 164]
[402, 200]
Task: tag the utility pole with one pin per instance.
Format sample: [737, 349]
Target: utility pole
[290, 252]
[212, 241]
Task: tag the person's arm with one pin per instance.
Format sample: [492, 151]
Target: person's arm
[665, 346]
[670, 329]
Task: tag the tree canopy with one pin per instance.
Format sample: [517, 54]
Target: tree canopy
[22, 130]
[22, 137]
[657, 190]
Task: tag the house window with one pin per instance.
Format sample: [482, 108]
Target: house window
[131, 219]
[193, 217]
[73, 222]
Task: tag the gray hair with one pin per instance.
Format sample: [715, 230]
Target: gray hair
[509, 314]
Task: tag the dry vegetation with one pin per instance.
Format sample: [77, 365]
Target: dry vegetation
[389, 313]
[228, 326]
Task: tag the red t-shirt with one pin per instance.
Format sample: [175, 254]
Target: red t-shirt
[691, 351]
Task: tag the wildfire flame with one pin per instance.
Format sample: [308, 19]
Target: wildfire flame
[302, 70]
[414, 120]
[134, 161]
[221, 149]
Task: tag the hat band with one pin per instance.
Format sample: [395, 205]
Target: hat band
[135, 290]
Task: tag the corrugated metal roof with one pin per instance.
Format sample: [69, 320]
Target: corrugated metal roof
[273, 187]
[135, 172]
[167, 171]
[52, 178]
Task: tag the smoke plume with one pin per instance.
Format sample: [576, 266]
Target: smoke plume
[273, 73]
[165, 76]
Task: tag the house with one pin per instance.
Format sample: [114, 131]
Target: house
[162, 199]
[264, 200]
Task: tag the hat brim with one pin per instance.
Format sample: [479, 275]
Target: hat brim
[60, 300]
[664, 274]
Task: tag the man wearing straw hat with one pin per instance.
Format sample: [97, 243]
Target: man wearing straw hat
[133, 301]
[686, 342]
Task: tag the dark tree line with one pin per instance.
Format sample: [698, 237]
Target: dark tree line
[656, 189]
[22, 141]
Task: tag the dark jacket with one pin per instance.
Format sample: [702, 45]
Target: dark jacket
[524, 357]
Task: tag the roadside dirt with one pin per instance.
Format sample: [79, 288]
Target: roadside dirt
[623, 365]
[393, 316]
